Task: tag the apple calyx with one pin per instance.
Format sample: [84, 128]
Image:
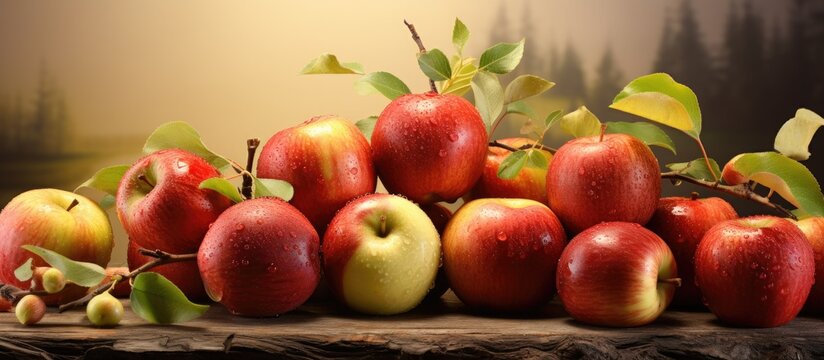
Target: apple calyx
[72, 205]
[671, 281]
[145, 180]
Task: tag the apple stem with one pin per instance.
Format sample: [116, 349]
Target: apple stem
[382, 232]
[144, 179]
[73, 204]
[694, 195]
[496, 143]
[673, 281]
[603, 131]
[418, 41]
[251, 149]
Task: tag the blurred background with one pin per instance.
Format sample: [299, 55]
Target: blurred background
[82, 83]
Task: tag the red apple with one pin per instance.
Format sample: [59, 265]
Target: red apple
[185, 275]
[429, 147]
[755, 271]
[439, 215]
[616, 274]
[160, 205]
[682, 222]
[501, 254]
[530, 183]
[260, 258]
[123, 289]
[813, 229]
[328, 162]
[593, 180]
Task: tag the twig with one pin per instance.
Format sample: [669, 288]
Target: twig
[496, 143]
[418, 41]
[13, 293]
[742, 191]
[251, 148]
[161, 258]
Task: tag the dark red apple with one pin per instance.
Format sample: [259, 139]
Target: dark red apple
[184, 275]
[755, 271]
[616, 274]
[260, 258]
[328, 162]
[813, 228]
[160, 205]
[682, 222]
[429, 147]
[501, 254]
[530, 183]
[597, 179]
[440, 216]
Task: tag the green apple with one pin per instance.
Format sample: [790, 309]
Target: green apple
[381, 254]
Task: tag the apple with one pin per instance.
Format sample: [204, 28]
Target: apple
[58, 220]
[328, 162]
[160, 205]
[429, 147]
[381, 254]
[260, 258]
[104, 310]
[123, 289]
[616, 274]
[755, 271]
[185, 275]
[682, 222]
[5, 304]
[439, 215]
[595, 179]
[30, 310]
[813, 229]
[501, 254]
[530, 183]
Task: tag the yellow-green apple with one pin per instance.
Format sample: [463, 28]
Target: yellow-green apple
[501, 254]
[185, 274]
[328, 162]
[530, 183]
[429, 147]
[160, 205]
[69, 292]
[682, 222]
[104, 310]
[260, 258]
[30, 309]
[381, 254]
[755, 271]
[439, 215]
[813, 228]
[616, 274]
[614, 177]
[58, 220]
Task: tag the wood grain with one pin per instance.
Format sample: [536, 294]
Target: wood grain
[439, 330]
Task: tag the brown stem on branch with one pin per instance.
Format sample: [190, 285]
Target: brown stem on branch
[161, 258]
[742, 191]
[707, 159]
[422, 49]
[72, 205]
[13, 293]
[496, 143]
[673, 281]
[603, 131]
[251, 148]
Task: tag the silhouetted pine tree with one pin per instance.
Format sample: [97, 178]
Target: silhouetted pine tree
[500, 28]
[570, 78]
[531, 62]
[608, 82]
[742, 92]
[666, 53]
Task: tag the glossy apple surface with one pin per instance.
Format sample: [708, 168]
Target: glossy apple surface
[328, 162]
[429, 147]
[682, 222]
[616, 274]
[755, 271]
[502, 254]
[381, 254]
[813, 229]
[260, 258]
[593, 180]
[530, 183]
[185, 275]
[160, 205]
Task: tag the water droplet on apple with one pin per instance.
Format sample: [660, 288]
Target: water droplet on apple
[501, 236]
[259, 221]
[442, 153]
[593, 183]
[239, 227]
[453, 137]
[280, 233]
[580, 171]
[353, 171]
[764, 298]
[770, 285]
[762, 275]
[244, 262]
[246, 247]
[782, 291]
[776, 267]
[724, 273]
[754, 265]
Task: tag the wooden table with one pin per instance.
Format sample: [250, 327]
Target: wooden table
[446, 329]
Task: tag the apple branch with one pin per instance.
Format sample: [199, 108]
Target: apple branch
[742, 191]
[418, 41]
[496, 143]
[251, 148]
[160, 258]
[13, 293]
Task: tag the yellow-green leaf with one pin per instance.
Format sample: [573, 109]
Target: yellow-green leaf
[512, 164]
[787, 177]
[696, 169]
[794, 137]
[526, 86]
[106, 179]
[26, 271]
[435, 65]
[366, 126]
[81, 273]
[180, 135]
[646, 132]
[522, 108]
[489, 96]
[157, 300]
[460, 35]
[381, 82]
[502, 58]
[659, 98]
[273, 187]
[222, 186]
[329, 64]
[581, 123]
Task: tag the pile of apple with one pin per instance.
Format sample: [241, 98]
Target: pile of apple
[585, 220]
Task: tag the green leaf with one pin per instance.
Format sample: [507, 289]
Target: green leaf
[106, 179]
[381, 82]
[552, 118]
[526, 86]
[460, 35]
[107, 202]
[794, 137]
[157, 300]
[502, 58]
[512, 165]
[26, 271]
[328, 64]
[222, 186]
[489, 96]
[646, 132]
[435, 65]
[81, 273]
[463, 70]
[180, 135]
[787, 177]
[367, 125]
[696, 169]
[536, 159]
[522, 108]
[659, 98]
[273, 187]
[581, 123]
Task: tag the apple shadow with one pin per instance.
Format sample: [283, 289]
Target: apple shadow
[663, 322]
